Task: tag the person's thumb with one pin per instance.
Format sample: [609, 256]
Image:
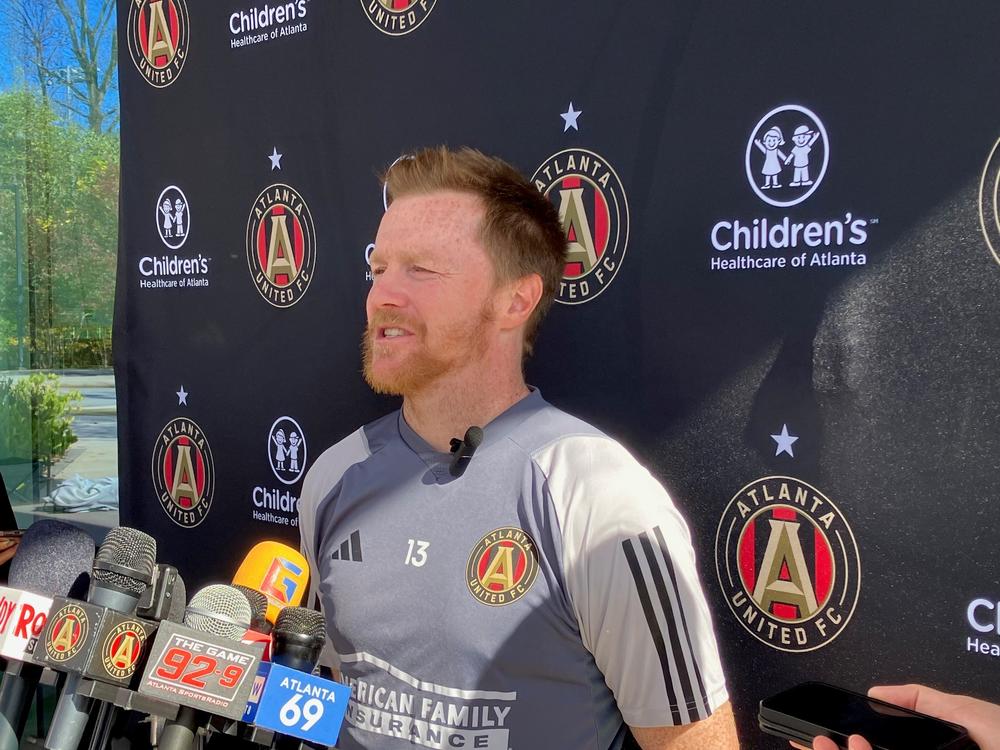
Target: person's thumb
[899, 695]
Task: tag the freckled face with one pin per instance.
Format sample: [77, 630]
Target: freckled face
[429, 308]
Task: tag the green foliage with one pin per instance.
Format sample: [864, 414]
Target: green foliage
[37, 414]
[67, 178]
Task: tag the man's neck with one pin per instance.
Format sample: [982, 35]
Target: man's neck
[446, 409]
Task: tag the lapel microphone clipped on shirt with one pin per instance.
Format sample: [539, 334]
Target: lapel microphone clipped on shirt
[464, 449]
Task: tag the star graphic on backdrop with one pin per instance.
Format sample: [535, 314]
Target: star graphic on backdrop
[182, 396]
[784, 441]
[275, 158]
[570, 116]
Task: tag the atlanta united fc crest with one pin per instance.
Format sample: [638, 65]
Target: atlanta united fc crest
[788, 563]
[281, 245]
[184, 472]
[122, 648]
[502, 566]
[158, 33]
[68, 631]
[397, 17]
[593, 210]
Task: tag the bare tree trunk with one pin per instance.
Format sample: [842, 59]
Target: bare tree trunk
[85, 40]
[37, 24]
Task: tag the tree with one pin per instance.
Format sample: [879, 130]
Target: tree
[68, 177]
[38, 27]
[88, 41]
[71, 44]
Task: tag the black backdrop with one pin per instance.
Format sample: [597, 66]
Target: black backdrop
[883, 366]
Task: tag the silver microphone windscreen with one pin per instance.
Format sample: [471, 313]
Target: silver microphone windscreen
[219, 609]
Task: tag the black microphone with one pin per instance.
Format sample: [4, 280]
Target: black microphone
[53, 559]
[123, 569]
[163, 600]
[298, 638]
[297, 641]
[223, 611]
[464, 449]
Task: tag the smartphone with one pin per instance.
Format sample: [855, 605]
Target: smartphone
[815, 709]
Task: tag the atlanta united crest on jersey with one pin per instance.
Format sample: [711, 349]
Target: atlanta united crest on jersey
[546, 598]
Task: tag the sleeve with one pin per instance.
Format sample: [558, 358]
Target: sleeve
[630, 574]
[321, 480]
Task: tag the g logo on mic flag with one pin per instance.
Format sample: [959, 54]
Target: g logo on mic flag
[277, 571]
[302, 705]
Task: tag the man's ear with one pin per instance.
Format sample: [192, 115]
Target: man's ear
[520, 299]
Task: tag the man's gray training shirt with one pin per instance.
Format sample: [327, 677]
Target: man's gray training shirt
[537, 601]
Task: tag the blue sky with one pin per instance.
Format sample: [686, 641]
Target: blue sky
[15, 60]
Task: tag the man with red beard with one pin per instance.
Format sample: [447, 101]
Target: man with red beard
[547, 596]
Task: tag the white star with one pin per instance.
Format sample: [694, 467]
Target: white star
[182, 396]
[784, 441]
[275, 158]
[569, 116]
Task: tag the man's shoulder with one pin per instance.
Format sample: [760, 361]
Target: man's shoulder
[353, 449]
[549, 425]
[552, 434]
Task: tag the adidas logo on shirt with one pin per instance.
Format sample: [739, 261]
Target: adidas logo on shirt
[350, 550]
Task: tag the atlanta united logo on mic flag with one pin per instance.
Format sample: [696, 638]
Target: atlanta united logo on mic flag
[122, 648]
[67, 632]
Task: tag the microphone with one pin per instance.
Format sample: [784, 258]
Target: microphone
[223, 611]
[53, 559]
[298, 638]
[125, 643]
[123, 568]
[258, 609]
[260, 628]
[464, 449]
[276, 570]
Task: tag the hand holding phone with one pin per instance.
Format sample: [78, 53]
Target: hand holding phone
[815, 709]
[854, 742]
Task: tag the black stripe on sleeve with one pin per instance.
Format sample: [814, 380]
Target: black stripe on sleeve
[673, 625]
[654, 628]
[684, 625]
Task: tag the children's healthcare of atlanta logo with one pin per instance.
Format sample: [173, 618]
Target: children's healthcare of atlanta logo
[787, 155]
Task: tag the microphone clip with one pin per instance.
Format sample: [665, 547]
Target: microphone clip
[463, 450]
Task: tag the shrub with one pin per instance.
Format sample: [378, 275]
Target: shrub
[36, 414]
